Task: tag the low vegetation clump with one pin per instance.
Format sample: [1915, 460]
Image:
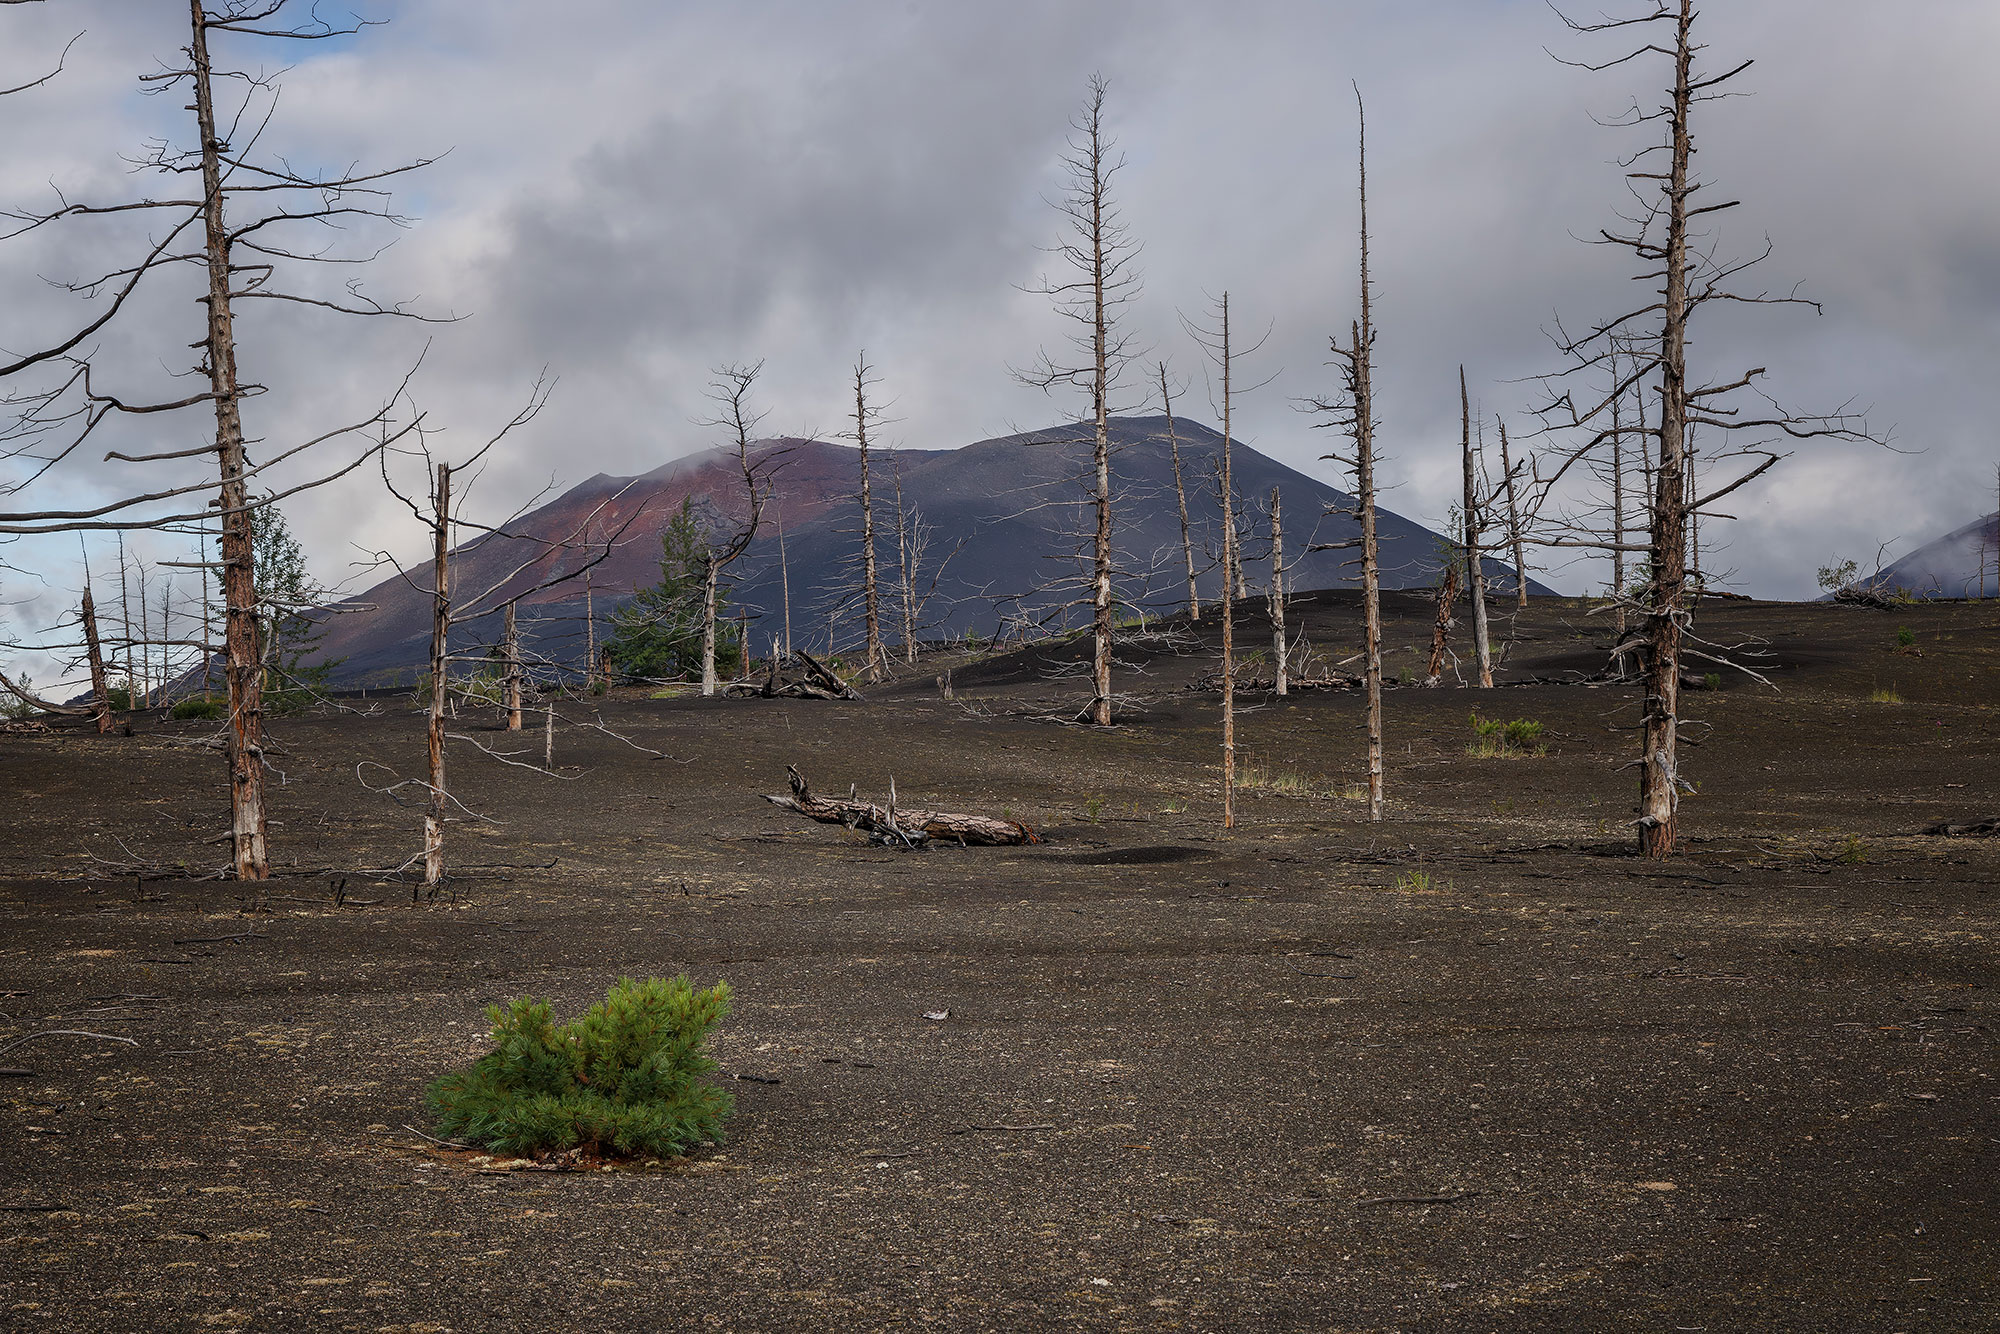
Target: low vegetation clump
[626, 1079]
[202, 706]
[1493, 739]
[1282, 783]
[1884, 695]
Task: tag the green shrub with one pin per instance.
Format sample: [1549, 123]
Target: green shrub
[1905, 636]
[201, 706]
[625, 1079]
[1713, 681]
[1492, 738]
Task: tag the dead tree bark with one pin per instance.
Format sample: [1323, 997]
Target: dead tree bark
[1447, 598]
[1228, 603]
[902, 824]
[1101, 253]
[871, 612]
[242, 663]
[1513, 521]
[1180, 494]
[440, 678]
[511, 649]
[99, 691]
[731, 388]
[1475, 565]
[1280, 653]
[1356, 411]
[906, 575]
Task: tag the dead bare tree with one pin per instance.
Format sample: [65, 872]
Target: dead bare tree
[233, 231]
[1101, 253]
[1354, 411]
[1280, 653]
[1691, 278]
[539, 568]
[1472, 516]
[1180, 493]
[865, 416]
[731, 389]
[1514, 535]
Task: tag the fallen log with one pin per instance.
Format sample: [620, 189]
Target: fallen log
[902, 824]
[827, 677]
[1977, 829]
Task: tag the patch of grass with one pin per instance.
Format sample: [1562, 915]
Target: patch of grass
[1850, 851]
[1493, 739]
[1905, 636]
[1884, 695]
[1093, 809]
[1282, 783]
[674, 692]
[1421, 882]
[204, 707]
[624, 1079]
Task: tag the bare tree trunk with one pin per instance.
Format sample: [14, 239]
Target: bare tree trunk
[711, 575]
[589, 630]
[1228, 603]
[1180, 494]
[1371, 572]
[511, 647]
[125, 625]
[1513, 521]
[207, 624]
[1659, 771]
[1100, 666]
[244, 668]
[549, 737]
[870, 603]
[1618, 501]
[1475, 567]
[99, 691]
[145, 696]
[1447, 598]
[785, 584]
[440, 665]
[906, 578]
[1279, 652]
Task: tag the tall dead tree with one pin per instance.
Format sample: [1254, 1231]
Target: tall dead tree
[510, 647]
[1690, 278]
[434, 810]
[1101, 254]
[1514, 537]
[865, 416]
[1472, 516]
[1229, 557]
[731, 389]
[1280, 652]
[100, 693]
[233, 229]
[1180, 493]
[542, 566]
[1355, 412]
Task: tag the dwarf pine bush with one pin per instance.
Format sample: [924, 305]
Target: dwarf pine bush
[625, 1079]
[1493, 738]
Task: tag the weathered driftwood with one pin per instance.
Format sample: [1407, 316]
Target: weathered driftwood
[901, 824]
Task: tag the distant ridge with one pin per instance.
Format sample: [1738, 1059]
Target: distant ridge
[1003, 509]
[1956, 565]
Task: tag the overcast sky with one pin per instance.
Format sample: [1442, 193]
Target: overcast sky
[636, 191]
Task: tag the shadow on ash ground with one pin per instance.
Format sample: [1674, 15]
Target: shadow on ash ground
[1268, 1081]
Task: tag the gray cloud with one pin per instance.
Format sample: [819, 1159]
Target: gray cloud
[636, 192]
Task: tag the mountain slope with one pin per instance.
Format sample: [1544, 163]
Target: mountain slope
[1956, 565]
[1006, 517]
